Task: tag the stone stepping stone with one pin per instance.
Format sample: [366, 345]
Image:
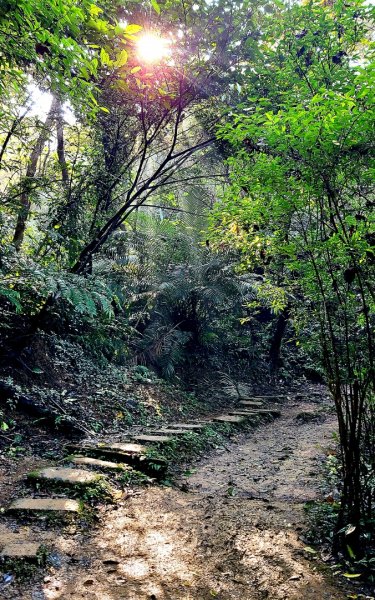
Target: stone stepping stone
[243, 413]
[246, 410]
[127, 448]
[87, 461]
[35, 505]
[229, 419]
[65, 475]
[263, 398]
[167, 432]
[188, 426]
[124, 452]
[159, 439]
[251, 403]
[266, 411]
[22, 550]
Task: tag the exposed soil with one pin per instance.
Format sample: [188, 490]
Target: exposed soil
[233, 530]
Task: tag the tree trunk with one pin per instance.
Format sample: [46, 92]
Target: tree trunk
[30, 174]
[61, 144]
[277, 338]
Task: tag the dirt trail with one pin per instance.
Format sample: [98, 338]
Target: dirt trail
[233, 534]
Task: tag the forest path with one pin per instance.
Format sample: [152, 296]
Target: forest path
[232, 534]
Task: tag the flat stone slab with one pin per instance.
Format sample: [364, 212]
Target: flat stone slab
[229, 419]
[127, 452]
[264, 398]
[100, 464]
[19, 550]
[126, 447]
[45, 504]
[266, 411]
[161, 439]
[245, 409]
[188, 426]
[170, 432]
[251, 403]
[66, 475]
[242, 413]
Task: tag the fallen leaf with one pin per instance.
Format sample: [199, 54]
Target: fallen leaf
[117, 494]
[350, 529]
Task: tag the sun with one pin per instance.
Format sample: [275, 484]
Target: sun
[152, 48]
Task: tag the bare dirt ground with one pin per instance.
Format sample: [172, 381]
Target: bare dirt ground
[232, 532]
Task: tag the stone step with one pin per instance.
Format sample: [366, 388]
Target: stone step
[266, 411]
[251, 403]
[127, 448]
[106, 465]
[263, 398]
[124, 452]
[246, 409]
[230, 419]
[65, 475]
[41, 505]
[242, 413]
[153, 439]
[24, 550]
[167, 432]
[187, 426]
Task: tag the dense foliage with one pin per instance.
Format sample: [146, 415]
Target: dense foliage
[211, 208]
[300, 209]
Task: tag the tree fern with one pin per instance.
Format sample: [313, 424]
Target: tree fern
[12, 296]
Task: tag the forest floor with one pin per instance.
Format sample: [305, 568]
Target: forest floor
[232, 528]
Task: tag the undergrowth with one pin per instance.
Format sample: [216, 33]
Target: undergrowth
[323, 531]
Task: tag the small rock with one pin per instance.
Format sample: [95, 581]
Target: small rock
[7, 579]
[295, 577]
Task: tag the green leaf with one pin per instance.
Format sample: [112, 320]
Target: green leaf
[104, 57]
[99, 25]
[131, 29]
[95, 10]
[121, 59]
[155, 6]
[4, 426]
[310, 550]
[352, 575]
[135, 69]
[350, 551]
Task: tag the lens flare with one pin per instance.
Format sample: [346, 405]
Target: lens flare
[152, 48]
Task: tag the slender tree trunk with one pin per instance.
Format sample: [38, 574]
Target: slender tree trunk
[61, 144]
[30, 174]
[10, 133]
[277, 338]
